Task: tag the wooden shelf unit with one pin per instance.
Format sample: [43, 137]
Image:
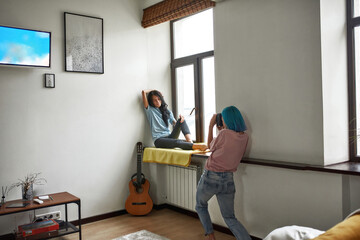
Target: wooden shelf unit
[63, 198]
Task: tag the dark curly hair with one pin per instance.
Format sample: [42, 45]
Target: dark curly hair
[163, 108]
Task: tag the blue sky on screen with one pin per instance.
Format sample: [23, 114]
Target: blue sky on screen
[25, 47]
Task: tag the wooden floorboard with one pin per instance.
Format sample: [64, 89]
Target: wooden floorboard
[164, 222]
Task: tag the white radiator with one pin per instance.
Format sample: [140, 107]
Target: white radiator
[181, 185]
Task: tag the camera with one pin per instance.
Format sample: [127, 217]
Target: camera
[219, 122]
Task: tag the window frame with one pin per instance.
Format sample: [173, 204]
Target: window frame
[352, 23]
[196, 60]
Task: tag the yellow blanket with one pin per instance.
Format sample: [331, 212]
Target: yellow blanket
[345, 230]
[168, 156]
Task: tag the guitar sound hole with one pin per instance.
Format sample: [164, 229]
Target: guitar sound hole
[140, 190]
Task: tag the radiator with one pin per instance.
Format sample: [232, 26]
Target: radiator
[181, 185]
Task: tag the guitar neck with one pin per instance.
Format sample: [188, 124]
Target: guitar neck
[139, 168]
[139, 160]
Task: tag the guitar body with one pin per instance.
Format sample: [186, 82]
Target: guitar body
[139, 202]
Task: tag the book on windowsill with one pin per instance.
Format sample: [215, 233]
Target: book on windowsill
[38, 227]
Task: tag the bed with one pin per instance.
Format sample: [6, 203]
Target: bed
[348, 229]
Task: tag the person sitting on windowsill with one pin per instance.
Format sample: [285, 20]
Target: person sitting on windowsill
[160, 118]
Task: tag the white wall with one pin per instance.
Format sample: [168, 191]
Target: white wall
[283, 63]
[268, 64]
[81, 135]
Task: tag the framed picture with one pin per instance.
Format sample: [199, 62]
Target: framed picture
[49, 80]
[84, 44]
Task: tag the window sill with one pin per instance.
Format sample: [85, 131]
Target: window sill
[347, 168]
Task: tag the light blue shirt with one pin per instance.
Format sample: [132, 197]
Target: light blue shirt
[157, 124]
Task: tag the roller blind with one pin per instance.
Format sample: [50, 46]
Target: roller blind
[168, 10]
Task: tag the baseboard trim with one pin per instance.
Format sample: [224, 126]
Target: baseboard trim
[100, 217]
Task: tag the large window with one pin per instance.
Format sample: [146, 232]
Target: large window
[192, 67]
[353, 36]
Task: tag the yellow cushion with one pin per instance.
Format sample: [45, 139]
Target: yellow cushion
[349, 229]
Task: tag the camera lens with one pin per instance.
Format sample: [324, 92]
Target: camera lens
[219, 122]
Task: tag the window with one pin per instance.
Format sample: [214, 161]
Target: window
[353, 38]
[192, 71]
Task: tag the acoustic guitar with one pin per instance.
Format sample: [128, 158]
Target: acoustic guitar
[139, 201]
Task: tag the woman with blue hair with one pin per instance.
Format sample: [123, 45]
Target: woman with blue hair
[227, 150]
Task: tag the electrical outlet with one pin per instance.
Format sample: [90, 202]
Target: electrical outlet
[49, 215]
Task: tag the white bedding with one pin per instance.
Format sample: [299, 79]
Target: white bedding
[293, 233]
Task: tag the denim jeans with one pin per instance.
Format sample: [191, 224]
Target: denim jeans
[172, 140]
[222, 185]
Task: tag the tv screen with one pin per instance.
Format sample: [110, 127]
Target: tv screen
[24, 47]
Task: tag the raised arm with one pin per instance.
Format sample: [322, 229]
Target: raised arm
[144, 97]
[211, 126]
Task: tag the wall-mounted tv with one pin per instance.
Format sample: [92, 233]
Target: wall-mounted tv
[24, 47]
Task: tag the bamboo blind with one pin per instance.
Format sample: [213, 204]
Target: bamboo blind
[168, 10]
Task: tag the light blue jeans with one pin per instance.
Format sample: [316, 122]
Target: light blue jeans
[222, 185]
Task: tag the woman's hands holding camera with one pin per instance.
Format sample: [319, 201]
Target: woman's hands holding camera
[215, 121]
[212, 121]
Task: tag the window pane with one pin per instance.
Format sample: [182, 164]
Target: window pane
[185, 96]
[194, 34]
[357, 84]
[356, 8]
[208, 93]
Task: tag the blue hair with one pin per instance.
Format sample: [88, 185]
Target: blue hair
[233, 119]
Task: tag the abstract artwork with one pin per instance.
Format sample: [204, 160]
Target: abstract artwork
[84, 44]
[49, 80]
